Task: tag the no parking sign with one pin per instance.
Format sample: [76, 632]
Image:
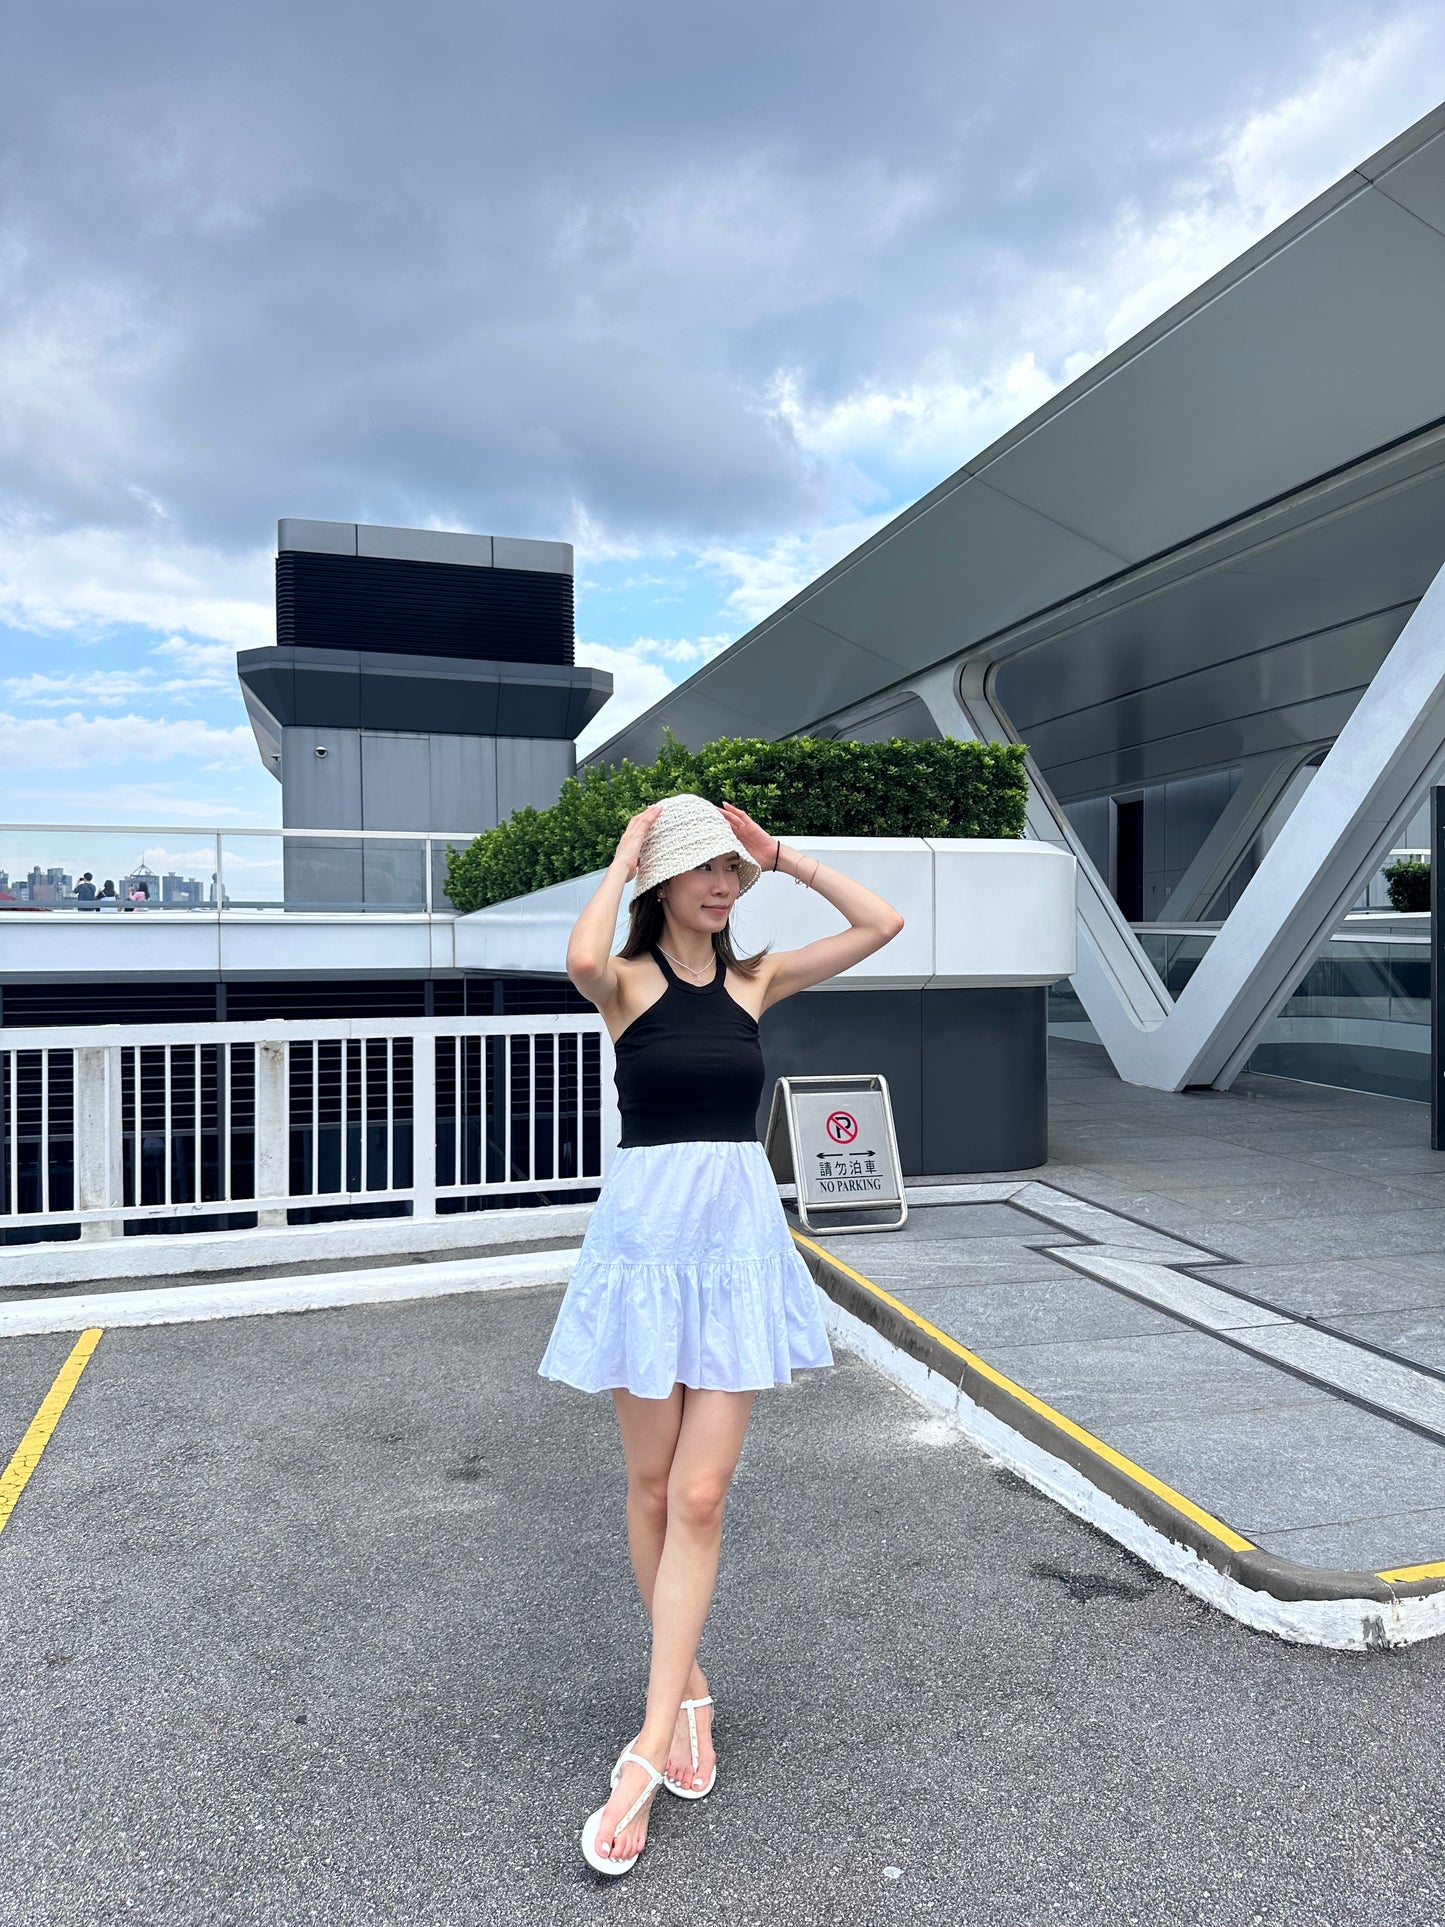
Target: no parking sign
[834, 1137]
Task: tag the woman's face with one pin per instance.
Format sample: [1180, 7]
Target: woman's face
[702, 899]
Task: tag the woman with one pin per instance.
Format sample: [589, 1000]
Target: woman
[688, 1295]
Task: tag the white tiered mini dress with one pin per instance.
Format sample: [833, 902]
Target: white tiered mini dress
[688, 1274]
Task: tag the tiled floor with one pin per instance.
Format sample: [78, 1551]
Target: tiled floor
[1331, 1206]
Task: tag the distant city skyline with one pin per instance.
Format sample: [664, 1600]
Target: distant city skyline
[56, 886]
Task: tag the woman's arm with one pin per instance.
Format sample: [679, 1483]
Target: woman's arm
[872, 921]
[590, 963]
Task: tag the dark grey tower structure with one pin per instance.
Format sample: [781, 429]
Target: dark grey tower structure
[421, 680]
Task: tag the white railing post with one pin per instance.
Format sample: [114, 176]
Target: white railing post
[424, 1126]
[91, 1135]
[99, 1140]
[273, 1142]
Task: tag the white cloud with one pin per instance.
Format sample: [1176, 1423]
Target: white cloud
[75, 741]
[203, 662]
[1048, 324]
[92, 580]
[932, 423]
[686, 650]
[637, 684]
[96, 686]
[209, 669]
[763, 578]
[641, 677]
[123, 802]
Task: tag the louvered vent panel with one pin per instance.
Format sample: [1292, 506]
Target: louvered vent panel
[114, 1001]
[423, 608]
[361, 997]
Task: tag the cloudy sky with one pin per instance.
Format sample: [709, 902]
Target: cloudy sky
[709, 292]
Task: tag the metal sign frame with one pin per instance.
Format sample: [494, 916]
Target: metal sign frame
[782, 1138]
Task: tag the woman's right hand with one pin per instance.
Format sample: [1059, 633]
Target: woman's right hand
[629, 844]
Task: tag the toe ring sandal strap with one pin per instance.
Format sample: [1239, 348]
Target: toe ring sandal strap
[654, 1781]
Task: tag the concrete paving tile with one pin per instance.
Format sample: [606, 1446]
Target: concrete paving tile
[1326, 1100]
[986, 1317]
[1106, 1383]
[902, 1270]
[1333, 1286]
[1282, 1131]
[1100, 1188]
[1369, 1544]
[970, 1221]
[1392, 1384]
[1222, 1166]
[1417, 1335]
[941, 1191]
[1300, 1463]
[1423, 1187]
[1279, 1199]
[1106, 1146]
[1424, 1269]
[900, 1255]
[1153, 1247]
[1200, 1303]
[1072, 1213]
[1393, 1162]
[1297, 1240]
[1155, 1211]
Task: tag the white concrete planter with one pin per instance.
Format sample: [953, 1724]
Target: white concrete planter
[980, 912]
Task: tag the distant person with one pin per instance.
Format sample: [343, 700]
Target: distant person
[108, 900]
[688, 1296]
[85, 891]
[140, 896]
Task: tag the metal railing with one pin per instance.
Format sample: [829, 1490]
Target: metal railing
[108, 1127]
[198, 871]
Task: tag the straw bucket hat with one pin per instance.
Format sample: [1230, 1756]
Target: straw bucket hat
[689, 831]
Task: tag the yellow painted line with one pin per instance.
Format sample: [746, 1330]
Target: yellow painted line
[1216, 1528]
[1402, 1574]
[37, 1436]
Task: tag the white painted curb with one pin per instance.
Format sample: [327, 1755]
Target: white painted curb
[188, 1304]
[1346, 1625]
[79, 1263]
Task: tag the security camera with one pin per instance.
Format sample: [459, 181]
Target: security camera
[321, 749]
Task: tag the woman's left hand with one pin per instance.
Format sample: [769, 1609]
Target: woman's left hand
[754, 840]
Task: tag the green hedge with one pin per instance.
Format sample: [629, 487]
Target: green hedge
[1408, 881]
[800, 787]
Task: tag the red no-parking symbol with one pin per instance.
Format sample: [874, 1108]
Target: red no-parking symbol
[842, 1127]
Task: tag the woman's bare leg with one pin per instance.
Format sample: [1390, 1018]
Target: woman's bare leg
[650, 1428]
[709, 1442]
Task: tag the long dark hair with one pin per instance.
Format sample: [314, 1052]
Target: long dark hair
[645, 927]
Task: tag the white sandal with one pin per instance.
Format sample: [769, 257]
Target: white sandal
[589, 1832]
[693, 1792]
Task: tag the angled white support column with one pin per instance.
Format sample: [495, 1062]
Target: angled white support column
[1115, 982]
[1389, 751]
[1261, 785]
[1392, 746]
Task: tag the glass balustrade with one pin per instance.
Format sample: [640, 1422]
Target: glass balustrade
[43, 868]
[1359, 1018]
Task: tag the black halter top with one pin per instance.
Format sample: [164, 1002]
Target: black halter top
[690, 1068]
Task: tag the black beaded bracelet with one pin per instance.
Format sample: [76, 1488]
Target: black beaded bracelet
[777, 851]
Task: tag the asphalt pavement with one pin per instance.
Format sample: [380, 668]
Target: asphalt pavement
[328, 1618]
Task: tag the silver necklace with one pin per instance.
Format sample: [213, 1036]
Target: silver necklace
[685, 966]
